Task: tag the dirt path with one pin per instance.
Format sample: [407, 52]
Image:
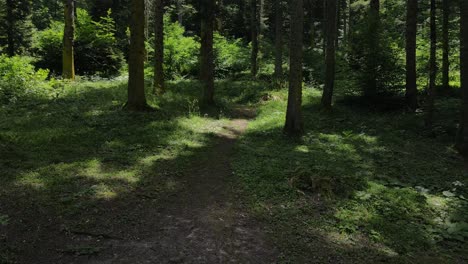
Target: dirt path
[201, 224]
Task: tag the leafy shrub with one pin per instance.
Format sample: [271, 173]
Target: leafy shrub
[230, 56]
[181, 53]
[19, 78]
[96, 52]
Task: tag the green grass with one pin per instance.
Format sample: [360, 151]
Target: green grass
[71, 152]
[358, 186]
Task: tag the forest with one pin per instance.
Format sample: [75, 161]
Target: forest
[233, 131]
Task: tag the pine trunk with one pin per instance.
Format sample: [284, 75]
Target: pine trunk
[278, 41]
[294, 123]
[159, 47]
[68, 70]
[445, 44]
[254, 31]
[136, 80]
[372, 62]
[462, 140]
[207, 55]
[330, 54]
[411, 31]
[432, 67]
[10, 28]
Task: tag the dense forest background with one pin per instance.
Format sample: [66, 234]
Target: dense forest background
[343, 124]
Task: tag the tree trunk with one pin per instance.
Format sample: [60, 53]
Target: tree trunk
[330, 54]
[372, 62]
[337, 22]
[462, 138]
[207, 55]
[294, 123]
[254, 31]
[411, 31]
[159, 47]
[432, 67]
[68, 67]
[445, 44]
[136, 80]
[180, 13]
[10, 28]
[278, 41]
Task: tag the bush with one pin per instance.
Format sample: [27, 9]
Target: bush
[96, 52]
[181, 53]
[18, 78]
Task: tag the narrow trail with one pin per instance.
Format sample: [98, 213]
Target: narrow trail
[204, 223]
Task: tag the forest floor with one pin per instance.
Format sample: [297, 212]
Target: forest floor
[85, 182]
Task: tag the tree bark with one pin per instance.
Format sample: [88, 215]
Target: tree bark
[294, 122]
[10, 28]
[330, 54]
[159, 47]
[462, 138]
[373, 46]
[68, 67]
[254, 26]
[278, 41]
[136, 80]
[432, 67]
[207, 55]
[411, 31]
[445, 44]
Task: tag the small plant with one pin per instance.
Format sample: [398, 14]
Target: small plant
[193, 107]
[4, 219]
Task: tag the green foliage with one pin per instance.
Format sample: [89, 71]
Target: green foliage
[20, 23]
[18, 78]
[181, 53]
[96, 51]
[354, 177]
[232, 57]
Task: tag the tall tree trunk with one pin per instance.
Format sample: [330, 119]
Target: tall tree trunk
[294, 122]
[373, 42]
[330, 54]
[337, 22]
[207, 55]
[136, 80]
[10, 28]
[159, 47]
[432, 67]
[411, 31]
[278, 41]
[254, 31]
[462, 138]
[68, 67]
[180, 13]
[445, 44]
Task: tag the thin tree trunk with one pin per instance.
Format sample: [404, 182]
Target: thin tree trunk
[207, 55]
[462, 138]
[278, 41]
[445, 44]
[254, 31]
[411, 31]
[432, 67]
[159, 47]
[330, 54]
[337, 22]
[68, 67]
[10, 28]
[371, 89]
[136, 80]
[180, 14]
[294, 122]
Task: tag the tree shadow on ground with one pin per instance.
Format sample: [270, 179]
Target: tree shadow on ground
[350, 180]
[79, 163]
